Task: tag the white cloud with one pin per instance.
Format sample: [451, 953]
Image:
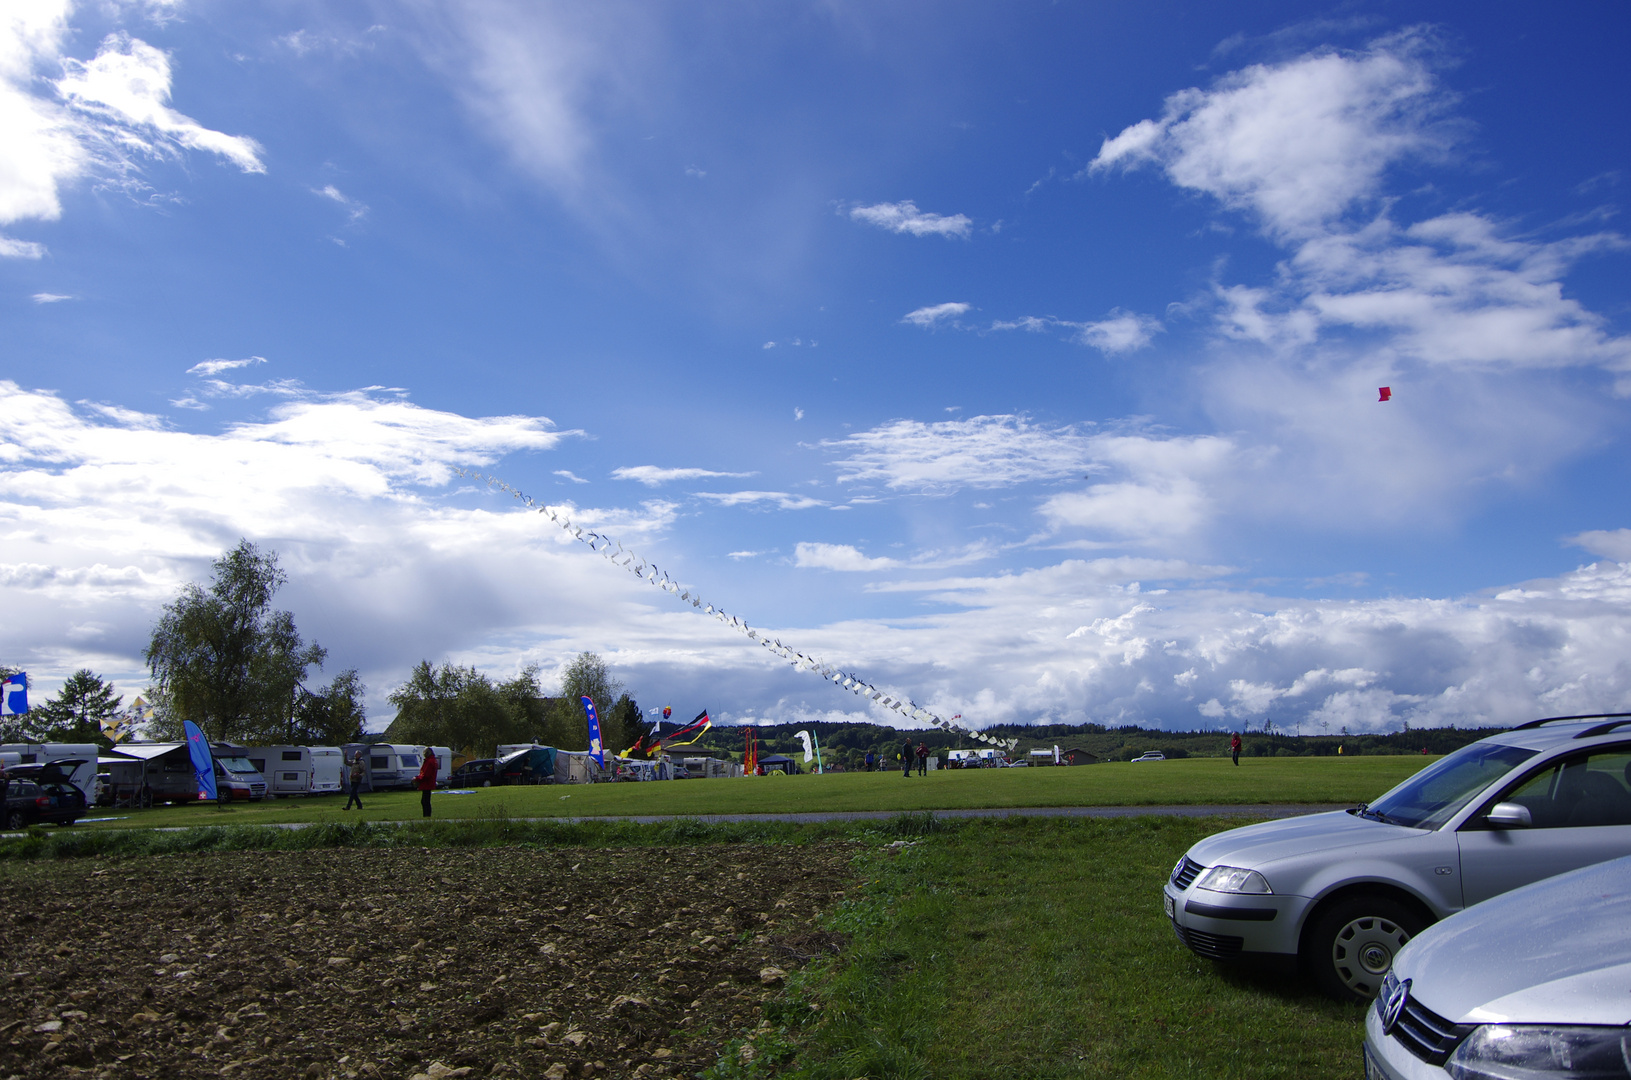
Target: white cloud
[740, 555]
[98, 117]
[928, 317]
[981, 452]
[20, 249]
[782, 499]
[125, 91]
[1610, 543]
[50, 298]
[1297, 143]
[1123, 331]
[1165, 491]
[798, 413]
[838, 557]
[354, 209]
[215, 367]
[567, 474]
[653, 475]
[905, 217]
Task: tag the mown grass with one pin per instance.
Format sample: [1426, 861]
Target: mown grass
[1037, 949]
[1192, 781]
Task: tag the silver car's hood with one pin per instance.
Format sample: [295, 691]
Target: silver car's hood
[1557, 951]
[1255, 846]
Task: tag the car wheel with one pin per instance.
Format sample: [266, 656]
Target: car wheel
[1351, 946]
[15, 820]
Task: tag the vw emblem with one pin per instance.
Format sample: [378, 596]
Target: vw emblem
[1393, 1005]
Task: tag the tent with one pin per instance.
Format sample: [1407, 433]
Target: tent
[533, 765]
[779, 763]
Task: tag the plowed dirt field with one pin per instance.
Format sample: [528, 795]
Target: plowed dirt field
[389, 963]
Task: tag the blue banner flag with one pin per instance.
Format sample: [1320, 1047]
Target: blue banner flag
[198, 748]
[596, 751]
[14, 695]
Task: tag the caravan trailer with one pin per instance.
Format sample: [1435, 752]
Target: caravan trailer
[390, 765]
[298, 770]
[83, 776]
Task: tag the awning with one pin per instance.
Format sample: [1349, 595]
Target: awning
[144, 751]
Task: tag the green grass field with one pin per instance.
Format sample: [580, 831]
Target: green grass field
[1037, 949]
[1191, 781]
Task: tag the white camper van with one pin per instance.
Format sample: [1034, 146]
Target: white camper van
[298, 770]
[392, 765]
[83, 776]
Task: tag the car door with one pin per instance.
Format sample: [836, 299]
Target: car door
[1581, 811]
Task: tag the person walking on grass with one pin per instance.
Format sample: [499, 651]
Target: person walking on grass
[1234, 747]
[922, 759]
[357, 767]
[426, 780]
[907, 756]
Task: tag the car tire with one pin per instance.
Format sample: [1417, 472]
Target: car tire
[15, 821]
[1351, 946]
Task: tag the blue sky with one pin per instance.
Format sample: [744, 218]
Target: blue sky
[1023, 358]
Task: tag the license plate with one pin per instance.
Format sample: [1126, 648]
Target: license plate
[1170, 905]
[1373, 1071]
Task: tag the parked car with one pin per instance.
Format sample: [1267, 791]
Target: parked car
[1151, 755]
[1341, 893]
[41, 793]
[1531, 984]
[236, 779]
[473, 774]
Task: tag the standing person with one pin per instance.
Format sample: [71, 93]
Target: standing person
[922, 759]
[871, 761]
[357, 768]
[426, 780]
[907, 756]
[1234, 747]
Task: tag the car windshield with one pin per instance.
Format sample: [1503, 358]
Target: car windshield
[1434, 795]
[237, 764]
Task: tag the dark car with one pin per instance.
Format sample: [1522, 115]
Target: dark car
[477, 773]
[41, 794]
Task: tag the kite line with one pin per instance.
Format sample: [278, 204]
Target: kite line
[649, 572]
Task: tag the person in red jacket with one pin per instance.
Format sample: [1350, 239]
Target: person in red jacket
[426, 780]
[1234, 747]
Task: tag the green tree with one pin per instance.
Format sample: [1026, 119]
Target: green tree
[334, 715]
[587, 676]
[460, 707]
[76, 713]
[224, 659]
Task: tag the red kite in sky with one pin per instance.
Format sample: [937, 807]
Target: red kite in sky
[1386, 392]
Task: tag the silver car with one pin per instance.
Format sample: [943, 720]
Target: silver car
[1340, 893]
[1531, 984]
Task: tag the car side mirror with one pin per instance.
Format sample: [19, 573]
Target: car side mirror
[1509, 815]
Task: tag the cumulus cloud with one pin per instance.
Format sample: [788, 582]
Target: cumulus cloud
[838, 557]
[62, 118]
[934, 314]
[1119, 332]
[1610, 543]
[905, 217]
[1297, 143]
[653, 475]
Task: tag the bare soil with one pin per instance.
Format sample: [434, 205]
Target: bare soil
[390, 963]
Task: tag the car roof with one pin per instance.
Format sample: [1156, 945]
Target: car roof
[1552, 732]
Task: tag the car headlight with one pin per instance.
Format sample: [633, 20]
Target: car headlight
[1233, 879]
[1522, 1052]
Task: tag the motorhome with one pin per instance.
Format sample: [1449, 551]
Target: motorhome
[298, 770]
[236, 778]
[83, 775]
[391, 766]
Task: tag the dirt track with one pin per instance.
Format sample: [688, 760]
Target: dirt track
[390, 963]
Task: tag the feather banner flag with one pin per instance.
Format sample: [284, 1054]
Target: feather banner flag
[596, 751]
[651, 574]
[14, 695]
[809, 751]
[198, 748]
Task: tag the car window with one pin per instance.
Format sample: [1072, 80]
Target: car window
[23, 788]
[1582, 790]
[1437, 793]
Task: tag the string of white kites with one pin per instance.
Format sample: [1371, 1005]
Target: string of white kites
[649, 572]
